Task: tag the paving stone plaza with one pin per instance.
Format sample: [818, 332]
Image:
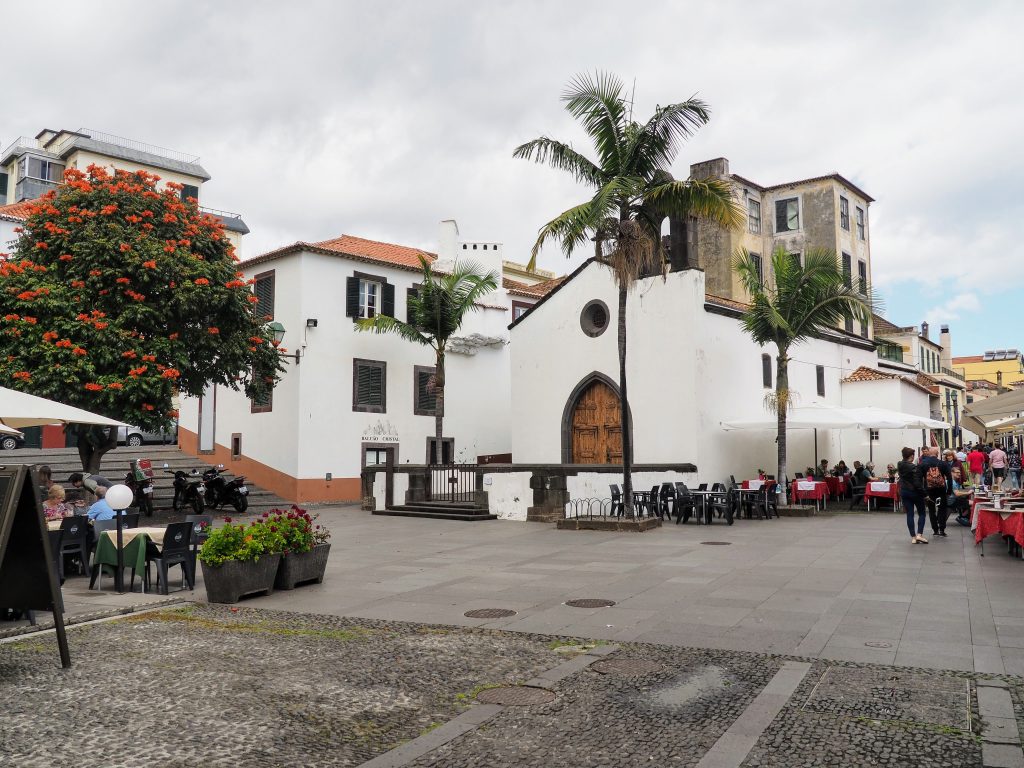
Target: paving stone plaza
[825, 641]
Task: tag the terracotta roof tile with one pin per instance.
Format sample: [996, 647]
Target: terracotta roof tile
[17, 211]
[871, 374]
[710, 298]
[536, 291]
[968, 359]
[377, 251]
[883, 326]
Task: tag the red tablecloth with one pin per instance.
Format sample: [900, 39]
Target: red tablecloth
[893, 493]
[991, 521]
[818, 493]
[837, 486]
[769, 483]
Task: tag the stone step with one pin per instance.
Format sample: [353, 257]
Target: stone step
[434, 513]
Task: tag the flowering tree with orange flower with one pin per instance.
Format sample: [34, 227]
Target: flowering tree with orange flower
[120, 294]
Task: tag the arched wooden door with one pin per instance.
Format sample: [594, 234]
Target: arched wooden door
[597, 426]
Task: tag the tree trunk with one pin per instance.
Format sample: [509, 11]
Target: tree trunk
[439, 404]
[93, 443]
[782, 406]
[627, 437]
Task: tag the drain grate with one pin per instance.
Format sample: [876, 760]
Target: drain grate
[489, 613]
[590, 602]
[717, 543]
[626, 667]
[515, 696]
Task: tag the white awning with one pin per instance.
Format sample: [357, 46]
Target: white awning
[802, 417]
[18, 409]
[872, 417]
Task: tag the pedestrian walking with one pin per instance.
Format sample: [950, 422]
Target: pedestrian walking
[938, 485]
[976, 460]
[912, 495]
[997, 459]
[1013, 465]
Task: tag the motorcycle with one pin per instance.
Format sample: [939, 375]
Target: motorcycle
[140, 480]
[220, 491]
[189, 490]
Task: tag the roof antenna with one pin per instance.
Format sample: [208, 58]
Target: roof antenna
[631, 100]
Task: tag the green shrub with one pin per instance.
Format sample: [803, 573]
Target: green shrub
[241, 542]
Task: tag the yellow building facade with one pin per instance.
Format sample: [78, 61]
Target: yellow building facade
[1002, 367]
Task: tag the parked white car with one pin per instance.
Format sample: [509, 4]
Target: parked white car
[135, 436]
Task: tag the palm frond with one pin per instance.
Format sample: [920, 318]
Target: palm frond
[659, 140]
[386, 324]
[561, 156]
[597, 102]
[573, 227]
[705, 198]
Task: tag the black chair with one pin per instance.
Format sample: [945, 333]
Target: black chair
[56, 537]
[723, 504]
[684, 505]
[75, 541]
[129, 520]
[617, 506]
[175, 551]
[201, 527]
[667, 496]
[857, 489]
[798, 475]
[702, 487]
[648, 503]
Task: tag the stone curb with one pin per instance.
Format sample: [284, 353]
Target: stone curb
[480, 714]
[1000, 747]
[20, 633]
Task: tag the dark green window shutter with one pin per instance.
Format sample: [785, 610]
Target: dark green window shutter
[847, 271]
[370, 386]
[387, 304]
[3, 188]
[410, 293]
[426, 397]
[264, 290]
[352, 297]
[189, 190]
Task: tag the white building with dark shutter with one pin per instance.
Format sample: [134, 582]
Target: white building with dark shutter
[351, 399]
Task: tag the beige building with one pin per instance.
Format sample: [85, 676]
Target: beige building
[823, 212]
[31, 167]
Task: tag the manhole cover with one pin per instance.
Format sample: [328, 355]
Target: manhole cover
[589, 602]
[717, 543]
[878, 644]
[626, 667]
[515, 696]
[489, 613]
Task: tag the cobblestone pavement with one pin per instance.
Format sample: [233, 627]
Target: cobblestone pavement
[212, 686]
[217, 686]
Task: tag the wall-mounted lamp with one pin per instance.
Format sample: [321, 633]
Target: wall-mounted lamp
[278, 330]
[311, 322]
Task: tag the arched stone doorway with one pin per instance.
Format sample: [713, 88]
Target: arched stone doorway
[592, 423]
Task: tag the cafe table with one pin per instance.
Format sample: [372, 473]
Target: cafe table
[134, 542]
[837, 486]
[991, 520]
[815, 490]
[882, 489]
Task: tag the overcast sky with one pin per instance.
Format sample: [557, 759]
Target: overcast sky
[380, 119]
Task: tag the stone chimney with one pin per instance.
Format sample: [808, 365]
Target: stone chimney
[447, 245]
[946, 356]
[717, 168]
[924, 329]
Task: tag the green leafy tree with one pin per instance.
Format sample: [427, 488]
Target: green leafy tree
[119, 295]
[436, 312]
[633, 194]
[800, 301]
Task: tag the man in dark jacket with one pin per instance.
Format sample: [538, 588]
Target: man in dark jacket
[938, 485]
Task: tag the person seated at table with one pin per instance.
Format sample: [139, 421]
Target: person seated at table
[101, 509]
[821, 471]
[890, 472]
[840, 468]
[861, 474]
[54, 507]
[960, 500]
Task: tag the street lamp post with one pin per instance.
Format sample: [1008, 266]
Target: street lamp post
[119, 497]
[278, 331]
[956, 419]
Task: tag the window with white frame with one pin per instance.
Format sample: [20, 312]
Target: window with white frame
[844, 213]
[754, 216]
[369, 298]
[787, 215]
[759, 266]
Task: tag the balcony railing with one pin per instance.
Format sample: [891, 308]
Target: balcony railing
[29, 188]
[120, 141]
[22, 142]
[954, 374]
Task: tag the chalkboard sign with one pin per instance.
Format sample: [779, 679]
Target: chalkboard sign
[28, 578]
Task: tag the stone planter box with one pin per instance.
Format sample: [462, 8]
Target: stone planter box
[227, 583]
[638, 525]
[303, 567]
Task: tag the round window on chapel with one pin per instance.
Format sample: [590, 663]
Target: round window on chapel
[594, 318]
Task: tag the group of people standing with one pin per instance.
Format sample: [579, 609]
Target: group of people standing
[936, 486]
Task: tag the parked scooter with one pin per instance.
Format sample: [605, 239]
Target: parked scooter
[140, 480]
[189, 490]
[220, 491]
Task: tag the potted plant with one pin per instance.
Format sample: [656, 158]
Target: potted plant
[305, 548]
[239, 560]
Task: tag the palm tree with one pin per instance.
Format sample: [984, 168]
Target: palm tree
[801, 301]
[633, 194]
[435, 313]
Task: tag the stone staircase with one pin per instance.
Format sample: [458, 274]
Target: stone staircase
[440, 510]
[116, 463]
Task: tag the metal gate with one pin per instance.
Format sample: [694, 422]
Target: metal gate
[453, 482]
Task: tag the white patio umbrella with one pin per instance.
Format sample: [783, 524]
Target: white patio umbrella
[18, 409]
[814, 416]
[872, 417]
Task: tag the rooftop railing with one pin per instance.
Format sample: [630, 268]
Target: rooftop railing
[953, 373]
[120, 141]
[217, 212]
[23, 142]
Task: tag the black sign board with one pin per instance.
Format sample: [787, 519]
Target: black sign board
[28, 577]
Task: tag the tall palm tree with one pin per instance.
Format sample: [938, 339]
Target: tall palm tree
[799, 302]
[435, 313]
[633, 194]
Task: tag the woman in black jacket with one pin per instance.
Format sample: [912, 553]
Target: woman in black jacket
[912, 495]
